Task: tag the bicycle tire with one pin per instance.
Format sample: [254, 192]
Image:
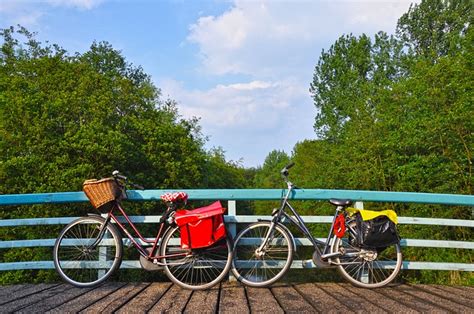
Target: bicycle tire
[199, 269]
[366, 268]
[248, 241]
[72, 252]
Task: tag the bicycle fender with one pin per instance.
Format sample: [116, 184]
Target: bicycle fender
[284, 228]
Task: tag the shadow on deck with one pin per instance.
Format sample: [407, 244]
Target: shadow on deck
[234, 298]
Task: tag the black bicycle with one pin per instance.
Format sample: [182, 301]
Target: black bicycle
[263, 251]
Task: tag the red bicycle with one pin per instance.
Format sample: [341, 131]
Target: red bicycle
[191, 246]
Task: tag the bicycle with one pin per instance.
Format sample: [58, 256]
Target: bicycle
[263, 251]
[90, 249]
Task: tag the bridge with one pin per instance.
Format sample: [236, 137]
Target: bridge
[286, 297]
[161, 297]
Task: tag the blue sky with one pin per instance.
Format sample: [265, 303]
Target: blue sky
[242, 67]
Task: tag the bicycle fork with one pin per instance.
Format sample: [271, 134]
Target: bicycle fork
[101, 234]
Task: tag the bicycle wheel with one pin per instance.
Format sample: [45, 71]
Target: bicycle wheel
[195, 269]
[260, 269]
[82, 261]
[367, 268]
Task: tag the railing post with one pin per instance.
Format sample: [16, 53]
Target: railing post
[102, 253]
[359, 205]
[232, 212]
[364, 276]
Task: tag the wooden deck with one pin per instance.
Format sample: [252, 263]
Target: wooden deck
[234, 298]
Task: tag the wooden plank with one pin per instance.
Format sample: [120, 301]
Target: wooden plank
[235, 219]
[411, 301]
[314, 194]
[435, 221]
[233, 299]
[297, 264]
[41, 198]
[437, 266]
[81, 302]
[251, 194]
[12, 293]
[462, 297]
[320, 299]
[51, 301]
[173, 301]
[36, 221]
[7, 291]
[262, 300]
[145, 300]
[290, 300]
[437, 300]
[380, 300]
[437, 244]
[203, 301]
[462, 289]
[350, 299]
[114, 301]
[328, 219]
[33, 299]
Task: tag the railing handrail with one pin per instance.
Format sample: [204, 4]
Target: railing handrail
[251, 194]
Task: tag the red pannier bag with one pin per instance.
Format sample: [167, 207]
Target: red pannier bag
[202, 226]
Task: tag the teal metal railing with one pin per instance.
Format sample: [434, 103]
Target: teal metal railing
[233, 196]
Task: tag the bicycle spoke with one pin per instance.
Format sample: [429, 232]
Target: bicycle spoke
[368, 267]
[80, 264]
[203, 267]
[261, 268]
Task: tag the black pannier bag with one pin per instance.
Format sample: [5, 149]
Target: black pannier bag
[377, 233]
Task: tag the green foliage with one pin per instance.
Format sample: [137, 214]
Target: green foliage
[435, 28]
[395, 113]
[66, 118]
[268, 176]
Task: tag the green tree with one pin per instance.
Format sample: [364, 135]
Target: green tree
[66, 118]
[395, 113]
[435, 28]
[268, 176]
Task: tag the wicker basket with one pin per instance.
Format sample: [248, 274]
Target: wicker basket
[101, 192]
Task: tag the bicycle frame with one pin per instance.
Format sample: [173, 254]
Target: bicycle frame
[280, 215]
[164, 225]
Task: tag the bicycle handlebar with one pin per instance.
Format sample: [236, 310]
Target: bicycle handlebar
[284, 171]
[116, 174]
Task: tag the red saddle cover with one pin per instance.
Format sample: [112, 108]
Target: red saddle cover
[202, 226]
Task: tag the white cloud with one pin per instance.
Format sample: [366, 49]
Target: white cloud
[283, 37]
[29, 13]
[248, 119]
[256, 104]
[79, 4]
[276, 44]
[19, 12]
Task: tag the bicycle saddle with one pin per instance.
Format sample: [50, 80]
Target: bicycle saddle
[174, 197]
[336, 202]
